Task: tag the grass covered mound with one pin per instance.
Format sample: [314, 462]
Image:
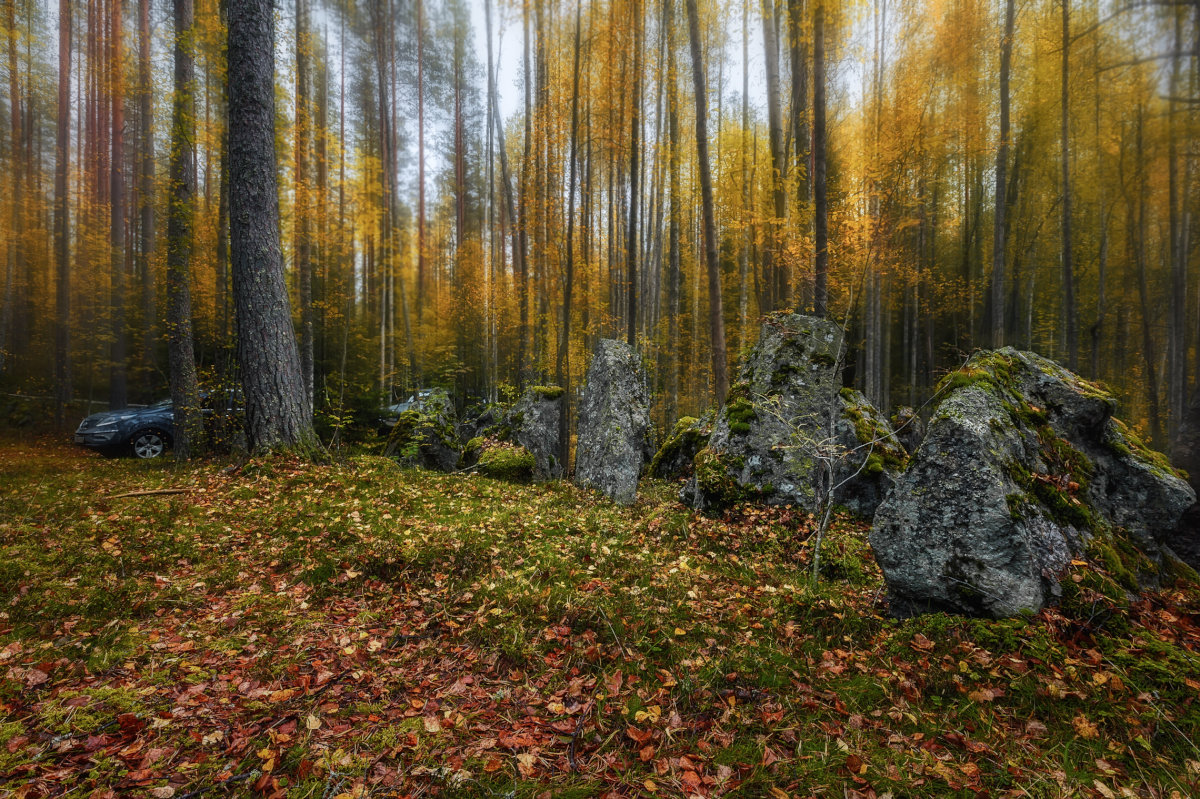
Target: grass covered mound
[360, 629]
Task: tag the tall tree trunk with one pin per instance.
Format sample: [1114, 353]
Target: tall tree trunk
[523, 207]
[820, 198]
[716, 314]
[117, 385]
[801, 133]
[1139, 234]
[774, 266]
[185, 395]
[1000, 227]
[674, 277]
[62, 242]
[563, 366]
[1068, 267]
[303, 204]
[1177, 325]
[746, 239]
[276, 413]
[421, 265]
[14, 255]
[146, 193]
[631, 252]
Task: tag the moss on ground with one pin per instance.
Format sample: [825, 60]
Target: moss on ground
[444, 612]
[504, 461]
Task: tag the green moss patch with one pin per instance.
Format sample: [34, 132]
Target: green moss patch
[505, 461]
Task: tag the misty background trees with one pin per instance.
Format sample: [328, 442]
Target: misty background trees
[470, 195]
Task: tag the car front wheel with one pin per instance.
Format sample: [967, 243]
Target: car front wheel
[148, 444]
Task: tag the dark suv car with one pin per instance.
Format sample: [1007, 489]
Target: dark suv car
[148, 432]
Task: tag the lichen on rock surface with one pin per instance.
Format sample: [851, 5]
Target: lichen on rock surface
[786, 415]
[1023, 470]
[614, 422]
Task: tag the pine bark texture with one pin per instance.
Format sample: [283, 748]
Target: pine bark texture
[276, 413]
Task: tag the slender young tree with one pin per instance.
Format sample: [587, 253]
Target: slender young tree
[62, 241]
[146, 190]
[14, 256]
[1071, 320]
[631, 238]
[277, 416]
[117, 384]
[774, 268]
[563, 365]
[716, 313]
[185, 394]
[1000, 227]
[820, 196]
[303, 210]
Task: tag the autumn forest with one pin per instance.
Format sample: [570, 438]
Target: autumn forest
[472, 193]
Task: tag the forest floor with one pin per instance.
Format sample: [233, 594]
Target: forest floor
[357, 629]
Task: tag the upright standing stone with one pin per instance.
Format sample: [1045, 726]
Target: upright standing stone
[785, 418]
[614, 420]
[533, 422]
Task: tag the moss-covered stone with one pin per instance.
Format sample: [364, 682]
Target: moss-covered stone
[675, 458]
[504, 461]
[547, 392]
[716, 475]
[1128, 443]
[1024, 466]
[784, 418]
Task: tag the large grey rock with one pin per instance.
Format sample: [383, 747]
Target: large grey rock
[1022, 470]
[786, 418]
[614, 421]
[427, 436]
[533, 423]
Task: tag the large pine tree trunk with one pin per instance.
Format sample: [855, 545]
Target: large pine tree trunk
[62, 243]
[181, 357]
[276, 413]
[716, 314]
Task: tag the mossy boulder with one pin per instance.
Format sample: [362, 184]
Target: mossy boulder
[427, 436]
[614, 422]
[1022, 471]
[675, 459]
[786, 417]
[533, 425]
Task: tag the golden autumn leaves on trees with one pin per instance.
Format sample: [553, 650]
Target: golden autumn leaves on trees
[472, 194]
